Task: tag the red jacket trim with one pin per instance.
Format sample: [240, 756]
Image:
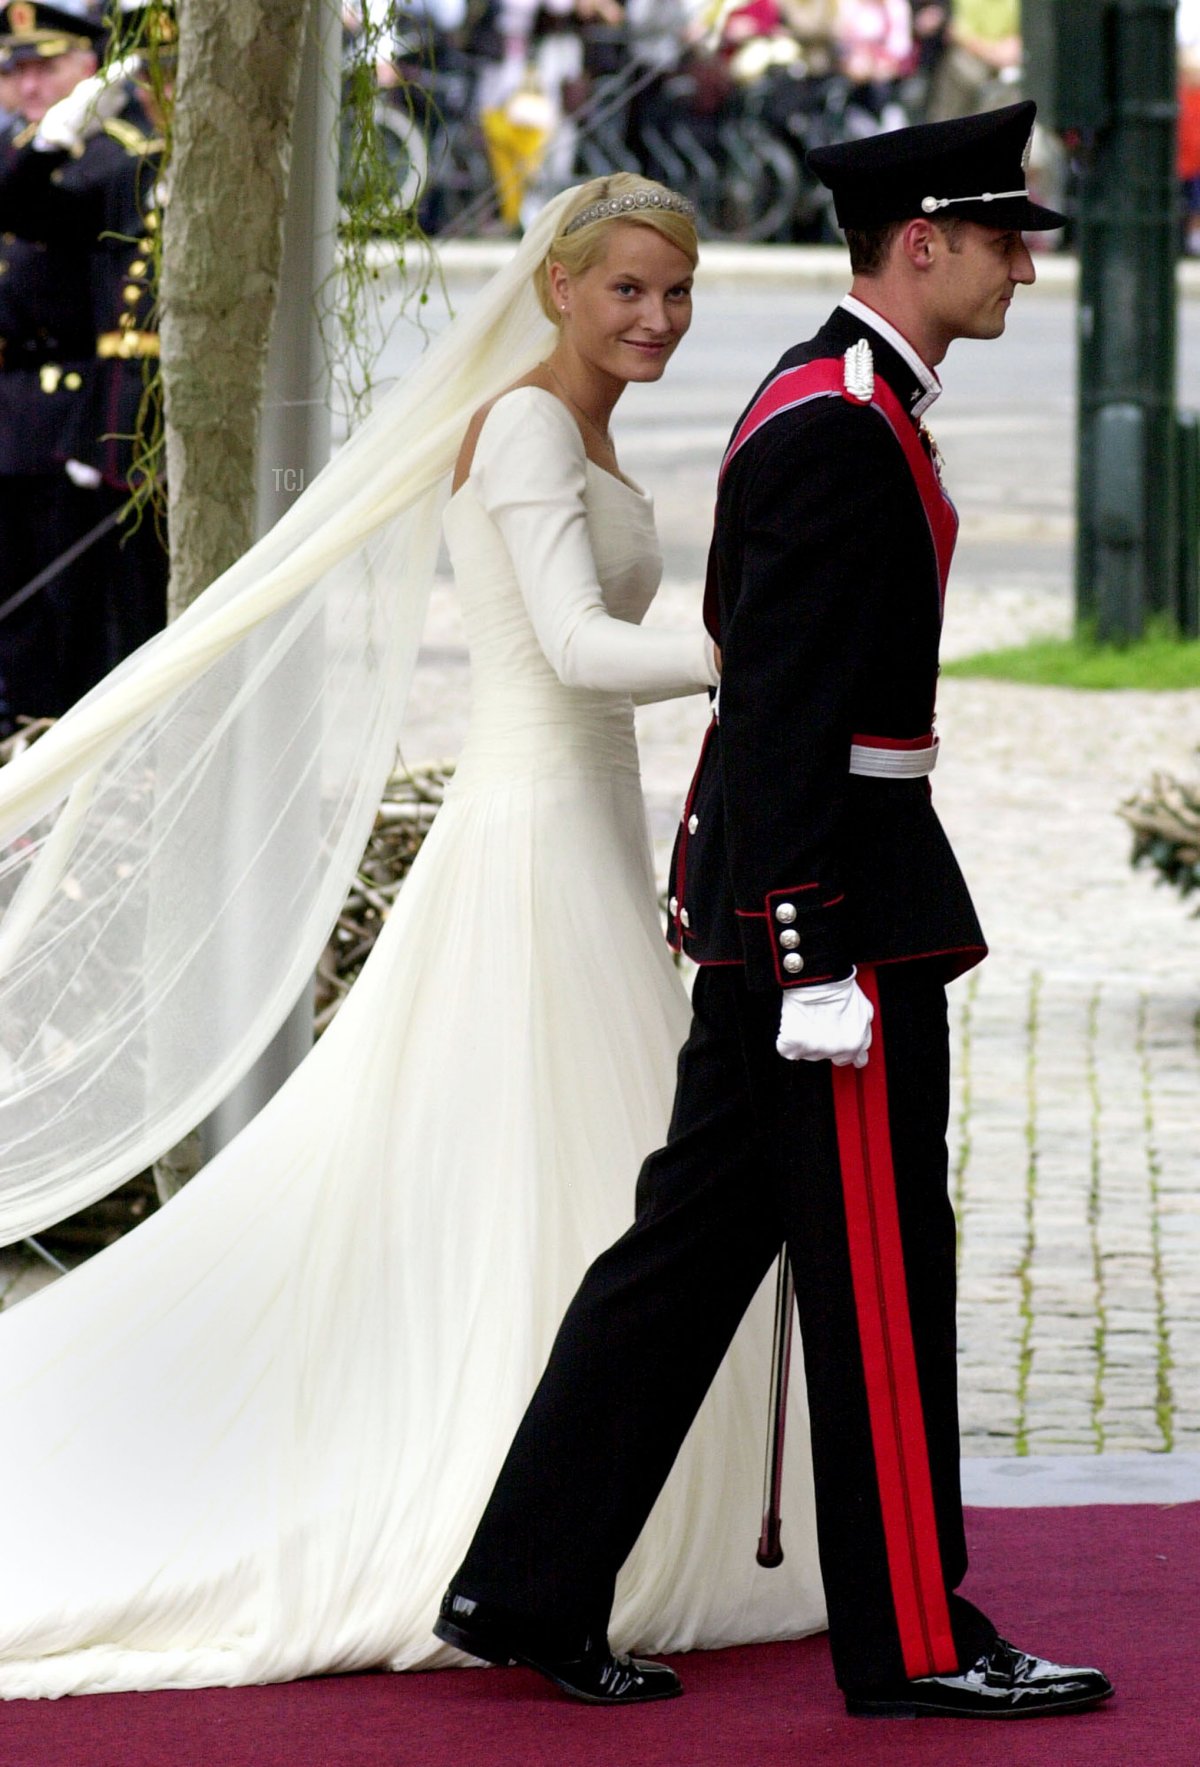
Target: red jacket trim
[679, 881]
[822, 379]
[825, 378]
[781, 975]
[894, 742]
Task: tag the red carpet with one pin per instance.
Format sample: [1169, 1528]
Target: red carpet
[1118, 1586]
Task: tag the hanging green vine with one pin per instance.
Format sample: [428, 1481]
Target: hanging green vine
[382, 159]
[147, 37]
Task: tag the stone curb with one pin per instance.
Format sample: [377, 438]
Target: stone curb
[1059, 1480]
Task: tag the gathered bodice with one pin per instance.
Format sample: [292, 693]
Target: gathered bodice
[544, 594]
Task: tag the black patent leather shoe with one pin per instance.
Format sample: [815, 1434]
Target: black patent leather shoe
[591, 1673]
[1002, 1683]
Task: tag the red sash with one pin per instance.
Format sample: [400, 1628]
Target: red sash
[825, 379]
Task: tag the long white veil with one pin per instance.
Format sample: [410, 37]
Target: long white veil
[175, 850]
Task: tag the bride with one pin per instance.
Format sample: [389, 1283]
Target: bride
[251, 1440]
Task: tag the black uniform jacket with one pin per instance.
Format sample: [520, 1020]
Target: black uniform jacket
[45, 319]
[825, 594]
[79, 321]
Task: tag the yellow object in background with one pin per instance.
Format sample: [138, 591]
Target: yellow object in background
[516, 138]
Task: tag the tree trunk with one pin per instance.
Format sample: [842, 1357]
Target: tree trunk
[235, 98]
[239, 67]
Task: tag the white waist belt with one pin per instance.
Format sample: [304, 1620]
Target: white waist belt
[889, 763]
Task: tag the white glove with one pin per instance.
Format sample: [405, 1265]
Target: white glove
[85, 109]
[88, 478]
[831, 1022]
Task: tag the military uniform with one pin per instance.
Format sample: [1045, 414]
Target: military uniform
[44, 322]
[808, 845]
[77, 327]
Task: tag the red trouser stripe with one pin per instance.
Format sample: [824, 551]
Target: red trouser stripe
[889, 1360]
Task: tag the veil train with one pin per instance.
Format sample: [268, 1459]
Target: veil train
[174, 851]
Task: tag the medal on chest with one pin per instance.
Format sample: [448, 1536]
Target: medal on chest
[929, 443]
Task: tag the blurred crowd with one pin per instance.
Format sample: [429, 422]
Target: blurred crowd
[81, 584]
[1187, 36]
[906, 60]
[672, 72]
[720, 98]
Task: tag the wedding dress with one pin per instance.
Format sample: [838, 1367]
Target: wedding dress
[252, 1439]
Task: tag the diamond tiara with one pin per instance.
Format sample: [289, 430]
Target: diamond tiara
[613, 207]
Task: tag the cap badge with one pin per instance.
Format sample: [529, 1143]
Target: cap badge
[858, 372]
[21, 16]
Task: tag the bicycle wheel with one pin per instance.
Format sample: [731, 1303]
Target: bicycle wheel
[755, 195]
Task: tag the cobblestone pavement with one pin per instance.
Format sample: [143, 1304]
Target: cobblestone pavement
[1074, 1143]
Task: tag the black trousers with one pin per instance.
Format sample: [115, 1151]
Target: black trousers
[851, 1168]
[41, 515]
[96, 611]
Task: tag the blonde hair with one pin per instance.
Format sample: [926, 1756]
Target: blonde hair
[578, 251]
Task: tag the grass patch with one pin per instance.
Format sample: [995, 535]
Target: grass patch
[1156, 663]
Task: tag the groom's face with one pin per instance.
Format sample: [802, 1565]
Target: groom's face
[626, 315]
[974, 278]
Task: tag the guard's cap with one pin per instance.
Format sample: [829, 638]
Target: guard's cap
[972, 167]
[30, 31]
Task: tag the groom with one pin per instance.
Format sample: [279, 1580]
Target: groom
[815, 889]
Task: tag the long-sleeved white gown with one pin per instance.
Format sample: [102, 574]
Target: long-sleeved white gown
[251, 1440]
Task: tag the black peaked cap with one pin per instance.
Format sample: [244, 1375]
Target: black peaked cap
[31, 31]
[978, 162]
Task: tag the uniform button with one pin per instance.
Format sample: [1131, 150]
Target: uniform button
[683, 916]
[785, 913]
[789, 939]
[693, 824]
[793, 963]
[131, 294]
[73, 381]
[673, 905]
[138, 267]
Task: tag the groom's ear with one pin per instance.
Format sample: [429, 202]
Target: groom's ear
[918, 242]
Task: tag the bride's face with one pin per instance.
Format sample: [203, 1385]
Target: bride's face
[626, 315]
